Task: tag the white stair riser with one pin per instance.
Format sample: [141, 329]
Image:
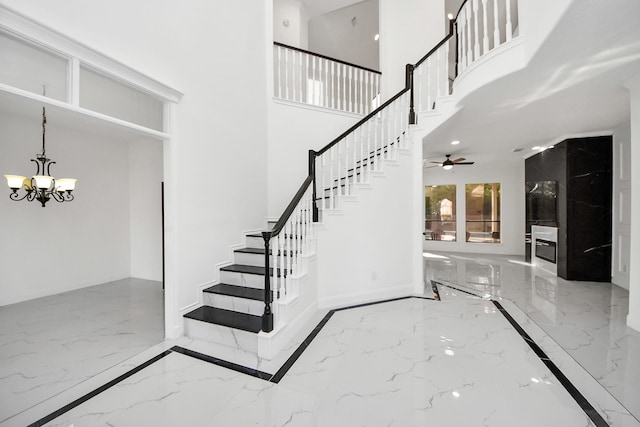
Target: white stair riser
[248, 259]
[255, 242]
[241, 305]
[242, 279]
[222, 335]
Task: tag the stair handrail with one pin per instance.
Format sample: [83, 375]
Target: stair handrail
[319, 55]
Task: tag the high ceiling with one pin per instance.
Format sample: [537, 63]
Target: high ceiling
[320, 7]
[573, 85]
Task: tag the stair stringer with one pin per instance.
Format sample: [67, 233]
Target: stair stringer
[365, 249]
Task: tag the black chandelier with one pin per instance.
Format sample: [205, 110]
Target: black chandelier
[42, 186]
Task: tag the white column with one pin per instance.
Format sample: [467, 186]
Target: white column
[470, 57]
[633, 319]
[509, 25]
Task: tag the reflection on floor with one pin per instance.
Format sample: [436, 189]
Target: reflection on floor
[51, 344]
[586, 319]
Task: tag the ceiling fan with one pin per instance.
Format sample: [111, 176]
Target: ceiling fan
[448, 163]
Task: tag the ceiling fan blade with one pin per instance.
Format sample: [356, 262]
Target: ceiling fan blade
[434, 166]
[437, 163]
[461, 159]
[464, 163]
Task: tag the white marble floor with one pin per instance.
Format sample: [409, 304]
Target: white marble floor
[586, 319]
[409, 362]
[51, 344]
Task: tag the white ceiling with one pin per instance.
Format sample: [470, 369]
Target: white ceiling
[574, 85]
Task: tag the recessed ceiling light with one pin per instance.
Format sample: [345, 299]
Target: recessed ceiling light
[456, 142]
[450, 15]
[376, 37]
[517, 150]
[537, 147]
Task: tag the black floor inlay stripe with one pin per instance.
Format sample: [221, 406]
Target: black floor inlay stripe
[275, 378]
[566, 383]
[81, 400]
[225, 364]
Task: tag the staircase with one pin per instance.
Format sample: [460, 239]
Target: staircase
[267, 294]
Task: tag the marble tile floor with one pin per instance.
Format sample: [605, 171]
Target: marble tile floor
[408, 362]
[51, 344]
[586, 319]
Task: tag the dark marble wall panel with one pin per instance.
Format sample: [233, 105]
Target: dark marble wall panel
[582, 168]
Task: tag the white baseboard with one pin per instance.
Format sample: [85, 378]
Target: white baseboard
[270, 344]
[365, 296]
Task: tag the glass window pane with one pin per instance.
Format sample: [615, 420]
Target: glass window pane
[483, 213]
[440, 212]
[31, 68]
[117, 99]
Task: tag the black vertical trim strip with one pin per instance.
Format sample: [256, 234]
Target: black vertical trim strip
[97, 391]
[591, 412]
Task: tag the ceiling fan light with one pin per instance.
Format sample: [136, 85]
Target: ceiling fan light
[447, 167]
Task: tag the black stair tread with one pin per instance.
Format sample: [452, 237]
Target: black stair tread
[232, 319]
[236, 291]
[248, 269]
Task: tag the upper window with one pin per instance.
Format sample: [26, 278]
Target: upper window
[483, 213]
[440, 212]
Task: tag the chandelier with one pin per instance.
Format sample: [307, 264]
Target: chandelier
[42, 186]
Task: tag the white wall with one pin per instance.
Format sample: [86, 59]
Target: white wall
[145, 209]
[295, 129]
[364, 250]
[633, 319]
[334, 34]
[512, 200]
[214, 53]
[296, 34]
[408, 30]
[63, 246]
[621, 212]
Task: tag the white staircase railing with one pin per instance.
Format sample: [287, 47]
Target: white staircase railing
[315, 79]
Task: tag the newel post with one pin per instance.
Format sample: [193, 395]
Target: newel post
[409, 84]
[267, 317]
[312, 172]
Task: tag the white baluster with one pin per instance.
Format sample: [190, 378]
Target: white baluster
[279, 62]
[313, 81]
[321, 80]
[326, 84]
[485, 28]
[460, 50]
[361, 89]
[322, 159]
[377, 91]
[367, 93]
[476, 46]
[349, 102]
[446, 68]
[296, 242]
[305, 90]
[340, 92]
[332, 202]
[286, 74]
[283, 263]
[346, 163]
[509, 25]
[300, 82]
[275, 251]
[294, 69]
[333, 85]
[463, 37]
[438, 65]
[356, 142]
[429, 87]
[469, 44]
[419, 91]
[496, 25]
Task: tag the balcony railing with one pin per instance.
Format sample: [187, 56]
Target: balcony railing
[315, 79]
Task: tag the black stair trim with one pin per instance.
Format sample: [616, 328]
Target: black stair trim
[257, 251]
[232, 319]
[236, 291]
[249, 269]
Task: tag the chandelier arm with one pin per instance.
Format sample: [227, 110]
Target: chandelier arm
[69, 197]
[31, 195]
[38, 166]
[57, 196]
[16, 196]
[49, 167]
